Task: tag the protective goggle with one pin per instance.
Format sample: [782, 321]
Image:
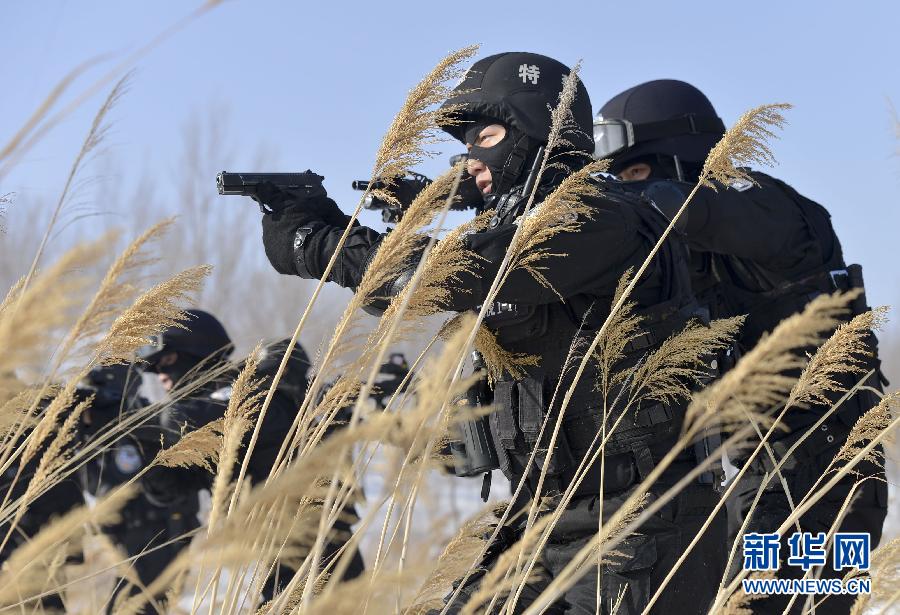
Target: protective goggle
[148, 351]
[612, 136]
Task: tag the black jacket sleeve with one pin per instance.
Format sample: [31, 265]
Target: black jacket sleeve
[318, 244]
[594, 257]
[761, 223]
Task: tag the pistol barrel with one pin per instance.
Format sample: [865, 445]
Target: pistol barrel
[229, 183]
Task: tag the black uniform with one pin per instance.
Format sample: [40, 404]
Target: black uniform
[206, 338]
[763, 250]
[158, 522]
[57, 501]
[766, 251]
[529, 318]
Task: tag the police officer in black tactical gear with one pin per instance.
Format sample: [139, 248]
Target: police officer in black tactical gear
[762, 249]
[157, 523]
[505, 102]
[181, 354]
[58, 500]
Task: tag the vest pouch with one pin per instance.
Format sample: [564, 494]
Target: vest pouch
[503, 422]
[513, 322]
[532, 412]
[855, 281]
[531, 408]
[619, 474]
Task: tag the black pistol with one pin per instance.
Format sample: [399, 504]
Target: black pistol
[247, 184]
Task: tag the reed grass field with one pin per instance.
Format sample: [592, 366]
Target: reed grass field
[75, 300]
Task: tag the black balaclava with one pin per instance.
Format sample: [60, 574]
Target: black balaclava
[507, 160]
[661, 167]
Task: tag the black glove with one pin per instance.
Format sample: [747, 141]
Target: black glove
[311, 209]
[392, 374]
[667, 195]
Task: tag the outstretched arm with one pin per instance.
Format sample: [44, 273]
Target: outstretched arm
[303, 239]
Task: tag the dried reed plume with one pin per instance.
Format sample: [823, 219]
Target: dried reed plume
[31, 317]
[744, 144]
[845, 352]
[153, 312]
[562, 121]
[402, 244]
[196, 448]
[93, 139]
[624, 326]
[118, 287]
[869, 426]
[760, 378]
[49, 422]
[55, 454]
[14, 410]
[497, 359]
[419, 119]
[238, 420]
[682, 362]
[563, 211]
[445, 264]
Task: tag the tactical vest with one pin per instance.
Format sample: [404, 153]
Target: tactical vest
[729, 285]
[549, 331]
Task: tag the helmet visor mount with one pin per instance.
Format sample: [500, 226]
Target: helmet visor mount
[612, 137]
[150, 353]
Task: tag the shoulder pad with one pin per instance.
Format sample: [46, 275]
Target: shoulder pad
[223, 394]
[127, 459]
[741, 185]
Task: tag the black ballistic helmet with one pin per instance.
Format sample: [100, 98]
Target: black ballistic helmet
[203, 336]
[111, 384]
[293, 381]
[658, 118]
[519, 89]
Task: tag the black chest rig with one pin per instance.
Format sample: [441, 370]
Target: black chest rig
[549, 330]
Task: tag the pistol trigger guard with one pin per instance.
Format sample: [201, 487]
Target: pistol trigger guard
[268, 210]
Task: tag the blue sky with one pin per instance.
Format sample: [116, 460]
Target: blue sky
[318, 83]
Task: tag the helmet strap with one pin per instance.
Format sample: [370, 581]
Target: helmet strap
[679, 172]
